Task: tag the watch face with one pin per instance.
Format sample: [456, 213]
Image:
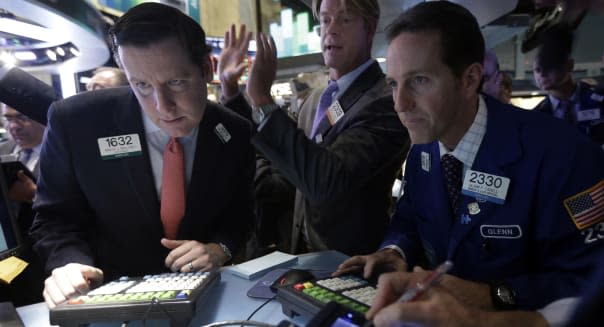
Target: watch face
[257, 115]
[506, 295]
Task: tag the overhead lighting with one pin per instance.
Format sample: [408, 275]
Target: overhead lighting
[7, 58]
[25, 55]
[380, 59]
[51, 55]
[15, 27]
[74, 51]
[60, 51]
[535, 93]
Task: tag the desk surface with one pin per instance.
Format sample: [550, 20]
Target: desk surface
[226, 301]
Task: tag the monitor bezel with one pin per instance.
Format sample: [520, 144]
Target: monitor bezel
[14, 224]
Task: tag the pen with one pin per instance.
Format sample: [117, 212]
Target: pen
[420, 288]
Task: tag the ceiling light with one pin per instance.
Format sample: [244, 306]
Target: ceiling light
[15, 27]
[60, 51]
[51, 55]
[25, 55]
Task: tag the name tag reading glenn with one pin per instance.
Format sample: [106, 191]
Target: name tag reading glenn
[481, 185]
[120, 146]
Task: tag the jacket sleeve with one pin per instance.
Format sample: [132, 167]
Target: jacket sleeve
[566, 251]
[372, 140]
[27, 94]
[63, 217]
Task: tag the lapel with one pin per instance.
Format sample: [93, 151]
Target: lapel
[208, 152]
[357, 89]
[500, 148]
[137, 169]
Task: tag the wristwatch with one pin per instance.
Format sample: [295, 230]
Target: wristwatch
[503, 296]
[260, 113]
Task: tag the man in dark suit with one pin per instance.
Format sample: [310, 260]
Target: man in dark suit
[343, 157]
[108, 204]
[528, 214]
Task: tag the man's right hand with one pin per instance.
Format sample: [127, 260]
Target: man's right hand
[387, 260]
[23, 189]
[70, 280]
[231, 63]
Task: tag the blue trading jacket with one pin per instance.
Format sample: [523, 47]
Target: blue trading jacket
[530, 242]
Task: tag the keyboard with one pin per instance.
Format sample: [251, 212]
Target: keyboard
[172, 296]
[308, 298]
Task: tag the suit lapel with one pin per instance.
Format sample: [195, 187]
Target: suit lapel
[361, 84]
[208, 152]
[137, 169]
[500, 147]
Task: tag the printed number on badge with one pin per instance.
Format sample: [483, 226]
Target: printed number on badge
[488, 180]
[594, 233]
[119, 140]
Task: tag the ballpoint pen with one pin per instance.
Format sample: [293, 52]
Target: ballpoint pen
[420, 288]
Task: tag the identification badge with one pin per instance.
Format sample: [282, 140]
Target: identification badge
[222, 133]
[490, 187]
[597, 97]
[318, 139]
[119, 146]
[589, 114]
[425, 161]
[335, 112]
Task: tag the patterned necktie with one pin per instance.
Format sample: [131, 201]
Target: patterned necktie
[173, 188]
[25, 155]
[562, 111]
[324, 103]
[452, 169]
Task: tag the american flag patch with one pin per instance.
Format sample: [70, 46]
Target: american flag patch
[587, 207]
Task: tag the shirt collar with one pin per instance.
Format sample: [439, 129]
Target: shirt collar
[347, 79]
[468, 146]
[555, 101]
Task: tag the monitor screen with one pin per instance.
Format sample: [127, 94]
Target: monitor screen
[10, 240]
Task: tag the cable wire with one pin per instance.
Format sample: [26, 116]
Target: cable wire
[239, 322]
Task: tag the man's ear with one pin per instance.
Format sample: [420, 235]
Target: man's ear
[471, 79]
[570, 65]
[206, 69]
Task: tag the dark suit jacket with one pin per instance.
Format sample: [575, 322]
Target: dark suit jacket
[27, 94]
[344, 184]
[106, 212]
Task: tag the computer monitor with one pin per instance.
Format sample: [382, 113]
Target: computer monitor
[10, 238]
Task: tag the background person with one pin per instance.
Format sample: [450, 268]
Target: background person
[104, 77]
[343, 167]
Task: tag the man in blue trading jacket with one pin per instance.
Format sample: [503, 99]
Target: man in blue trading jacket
[524, 227]
[108, 205]
[347, 146]
[575, 102]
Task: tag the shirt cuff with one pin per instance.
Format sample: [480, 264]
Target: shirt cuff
[397, 249]
[559, 312]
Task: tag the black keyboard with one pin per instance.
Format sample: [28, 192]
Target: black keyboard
[308, 298]
[172, 296]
